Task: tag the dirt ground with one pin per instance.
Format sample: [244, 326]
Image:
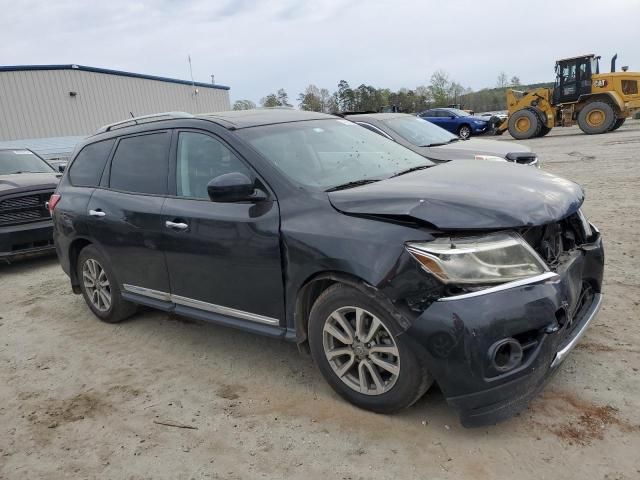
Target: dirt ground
[165, 397]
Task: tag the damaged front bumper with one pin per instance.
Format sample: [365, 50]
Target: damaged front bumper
[545, 318]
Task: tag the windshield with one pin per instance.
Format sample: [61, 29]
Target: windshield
[419, 132]
[459, 113]
[22, 161]
[328, 153]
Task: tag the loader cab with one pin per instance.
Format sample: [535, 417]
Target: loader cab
[573, 78]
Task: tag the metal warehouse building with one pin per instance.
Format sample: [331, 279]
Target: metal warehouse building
[43, 101]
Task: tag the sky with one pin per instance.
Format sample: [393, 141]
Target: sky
[257, 47]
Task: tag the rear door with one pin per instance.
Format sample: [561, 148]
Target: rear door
[223, 257]
[125, 212]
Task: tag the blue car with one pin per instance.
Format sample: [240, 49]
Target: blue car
[457, 121]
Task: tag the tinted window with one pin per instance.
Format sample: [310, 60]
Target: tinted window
[200, 159]
[22, 161]
[88, 165]
[141, 164]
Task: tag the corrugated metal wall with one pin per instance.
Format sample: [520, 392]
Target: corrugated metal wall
[37, 103]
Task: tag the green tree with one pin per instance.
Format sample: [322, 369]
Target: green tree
[440, 87]
[278, 99]
[243, 105]
[311, 99]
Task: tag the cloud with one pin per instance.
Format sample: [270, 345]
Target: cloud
[257, 47]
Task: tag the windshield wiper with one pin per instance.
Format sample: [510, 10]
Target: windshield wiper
[455, 139]
[355, 183]
[412, 169]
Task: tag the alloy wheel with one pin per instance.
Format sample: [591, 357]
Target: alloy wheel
[96, 285]
[361, 351]
[465, 132]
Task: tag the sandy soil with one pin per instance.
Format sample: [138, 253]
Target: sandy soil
[83, 399]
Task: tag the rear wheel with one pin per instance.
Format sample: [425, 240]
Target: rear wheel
[464, 132]
[99, 287]
[618, 124]
[597, 117]
[524, 124]
[352, 342]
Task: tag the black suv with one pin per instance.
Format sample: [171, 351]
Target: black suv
[26, 183]
[393, 271]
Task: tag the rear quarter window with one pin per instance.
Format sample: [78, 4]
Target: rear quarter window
[88, 165]
[141, 164]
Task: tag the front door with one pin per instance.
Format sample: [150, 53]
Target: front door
[221, 257]
[125, 213]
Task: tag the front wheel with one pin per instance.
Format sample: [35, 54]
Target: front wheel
[464, 132]
[352, 342]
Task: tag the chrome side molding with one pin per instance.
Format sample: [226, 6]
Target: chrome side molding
[200, 305]
[504, 286]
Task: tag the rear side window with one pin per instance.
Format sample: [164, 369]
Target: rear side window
[141, 164]
[87, 168]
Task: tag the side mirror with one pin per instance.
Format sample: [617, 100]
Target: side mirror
[233, 187]
[62, 167]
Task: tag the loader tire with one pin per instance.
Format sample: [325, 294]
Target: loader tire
[597, 117]
[524, 124]
[544, 130]
[618, 124]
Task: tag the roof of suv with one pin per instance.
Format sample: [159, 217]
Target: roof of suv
[231, 120]
[262, 116]
[376, 116]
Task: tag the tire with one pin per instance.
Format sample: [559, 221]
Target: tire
[359, 359]
[104, 300]
[618, 124]
[597, 117]
[524, 124]
[464, 131]
[543, 131]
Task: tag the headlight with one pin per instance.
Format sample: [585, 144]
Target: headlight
[479, 122]
[489, 259]
[493, 158]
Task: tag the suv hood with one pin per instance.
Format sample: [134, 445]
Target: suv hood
[463, 149]
[467, 195]
[31, 181]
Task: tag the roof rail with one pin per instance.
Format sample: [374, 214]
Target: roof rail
[154, 117]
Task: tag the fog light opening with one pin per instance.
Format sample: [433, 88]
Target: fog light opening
[506, 354]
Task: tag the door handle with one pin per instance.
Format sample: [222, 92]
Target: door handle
[97, 213]
[176, 225]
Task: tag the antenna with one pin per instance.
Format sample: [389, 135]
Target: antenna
[193, 84]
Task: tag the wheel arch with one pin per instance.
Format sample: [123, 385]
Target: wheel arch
[611, 97]
[75, 248]
[313, 287]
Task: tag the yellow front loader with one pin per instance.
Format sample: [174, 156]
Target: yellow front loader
[597, 102]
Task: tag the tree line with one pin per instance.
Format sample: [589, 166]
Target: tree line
[440, 92]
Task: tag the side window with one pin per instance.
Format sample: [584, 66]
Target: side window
[201, 158]
[141, 164]
[88, 165]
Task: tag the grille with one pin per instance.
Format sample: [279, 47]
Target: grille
[554, 239]
[24, 209]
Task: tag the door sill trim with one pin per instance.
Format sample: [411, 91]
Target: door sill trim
[200, 305]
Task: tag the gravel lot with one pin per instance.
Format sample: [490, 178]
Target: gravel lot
[84, 399]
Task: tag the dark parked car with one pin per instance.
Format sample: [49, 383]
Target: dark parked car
[395, 272]
[435, 143]
[457, 121]
[26, 183]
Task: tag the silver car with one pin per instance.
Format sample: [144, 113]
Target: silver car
[437, 144]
